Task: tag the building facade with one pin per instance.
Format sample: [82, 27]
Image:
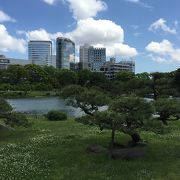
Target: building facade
[84, 57]
[92, 58]
[54, 61]
[111, 68]
[65, 53]
[5, 62]
[99, 59]
[40, 52]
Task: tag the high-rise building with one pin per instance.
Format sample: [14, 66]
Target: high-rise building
[85, 56]
[99, 59]
[40, 52]
[65, 53]
[54, 61]
[92, 58]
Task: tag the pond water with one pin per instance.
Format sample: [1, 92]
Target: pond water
[43, 105]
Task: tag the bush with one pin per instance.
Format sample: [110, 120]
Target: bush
[15, 119]
[56, 116]
[5, 107]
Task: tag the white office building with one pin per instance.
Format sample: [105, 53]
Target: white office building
[92, 58]
[84, 56]
[40, 52]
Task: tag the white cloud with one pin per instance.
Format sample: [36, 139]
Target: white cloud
[161, 48]
[164, 51]
[123, 50]
[161, 24]
[10, 43]
[4, 17]
[103, 33]
[139, 2]
[158, 59]
[83, 9]
[39, 34]
[133, 1]
[97, 32]
[50, 2]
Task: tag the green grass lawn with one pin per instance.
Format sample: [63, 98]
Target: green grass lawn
[57, 150]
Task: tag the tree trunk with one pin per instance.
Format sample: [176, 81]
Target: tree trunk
[165, 122]
[111, 146]
[112, 138]
[136, 138]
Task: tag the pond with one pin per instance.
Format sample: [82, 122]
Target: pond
[43, 105]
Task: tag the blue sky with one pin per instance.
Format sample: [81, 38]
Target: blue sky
[146, 30]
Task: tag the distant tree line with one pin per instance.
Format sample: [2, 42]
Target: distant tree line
[34, 77]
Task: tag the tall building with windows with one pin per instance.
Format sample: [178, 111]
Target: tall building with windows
[92, 58]
[85, 56]
[99, 59]
[40, 52]
[65, 53]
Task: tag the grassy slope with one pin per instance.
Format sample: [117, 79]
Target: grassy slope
[56, 150]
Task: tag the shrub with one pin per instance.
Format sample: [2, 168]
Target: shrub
[56, 116]
[167, 108]
[15, 119]
[5, 107]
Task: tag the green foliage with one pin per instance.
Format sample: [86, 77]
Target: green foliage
[134, 108]
[42, 78]
[177, 79]
[66, 77]
[167, 108]
[87, 99]
[124, 76]
[127, 115]
[5, 107]
[136, 112]
[84, 77]
[56, 116]
[155, 126]
[15, 119]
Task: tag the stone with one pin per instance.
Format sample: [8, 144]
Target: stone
[127, 153]
[95, 148]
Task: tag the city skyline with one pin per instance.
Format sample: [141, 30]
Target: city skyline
[128, 28]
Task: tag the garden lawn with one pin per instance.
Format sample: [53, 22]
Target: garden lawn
[57, 150]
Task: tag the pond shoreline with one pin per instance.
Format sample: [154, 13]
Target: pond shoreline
[28, 94]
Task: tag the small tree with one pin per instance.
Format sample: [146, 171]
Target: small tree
[105, 120]
[12, 119]
[89, 100]
[15, 119]
[135, 111]
[167, 108]
[127, 115]
[5, 107]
